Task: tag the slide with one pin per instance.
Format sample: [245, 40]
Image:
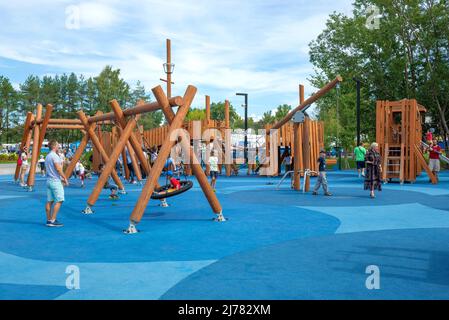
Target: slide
[442, 157]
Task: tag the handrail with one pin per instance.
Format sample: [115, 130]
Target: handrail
[307, 172]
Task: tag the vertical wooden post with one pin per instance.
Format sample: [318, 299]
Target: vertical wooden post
[195, 164]
[36, 149]
[25, 135]
[48, 112]
[297, 147]
[110, 164]
[175, 123]
[97, 144]
[227, 137]
[207, 127]
[306, 151]
[207, 111]
[125, 165]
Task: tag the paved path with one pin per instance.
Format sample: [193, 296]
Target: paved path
[7, 168]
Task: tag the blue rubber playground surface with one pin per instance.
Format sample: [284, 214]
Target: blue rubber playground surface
[277, 244]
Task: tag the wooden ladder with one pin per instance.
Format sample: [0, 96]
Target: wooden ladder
[394, 162]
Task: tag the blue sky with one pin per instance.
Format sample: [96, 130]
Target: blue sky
[221, 47]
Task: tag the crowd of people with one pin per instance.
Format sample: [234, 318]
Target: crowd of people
[368, 163]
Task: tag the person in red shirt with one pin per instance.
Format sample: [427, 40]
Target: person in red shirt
[434, 157]
[174, 183]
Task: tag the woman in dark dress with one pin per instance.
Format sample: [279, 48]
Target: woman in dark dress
[373, 175]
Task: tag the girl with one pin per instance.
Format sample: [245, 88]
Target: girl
[213, 163]
[24, 167]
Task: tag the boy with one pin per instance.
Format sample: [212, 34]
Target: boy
[42, 165]
[434, 157]
[359, 153]
[109, 185]
[80, 172]
[213, 164]
[174, 183]
[322, 179]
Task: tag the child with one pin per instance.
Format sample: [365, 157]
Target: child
[24, 166]
[42, 165]
[213, 163]
[174, 183]
[109, 185]
[322, 179]
[80, 172]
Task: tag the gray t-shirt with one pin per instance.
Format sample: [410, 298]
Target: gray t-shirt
[50, 169]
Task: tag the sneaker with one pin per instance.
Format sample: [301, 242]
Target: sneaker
[56, 223]
[315, 193]
[328, 194]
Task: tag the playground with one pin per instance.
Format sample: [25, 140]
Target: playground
[277, 244]
[296, 152]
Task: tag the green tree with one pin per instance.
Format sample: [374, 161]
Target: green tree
[8, 108]
[406, 57]
[282, 111]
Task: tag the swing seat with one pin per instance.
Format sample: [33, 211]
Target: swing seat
[167, 192]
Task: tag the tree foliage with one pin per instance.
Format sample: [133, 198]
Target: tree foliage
[406, 57]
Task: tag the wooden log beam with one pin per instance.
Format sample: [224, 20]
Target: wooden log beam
[110, 164]
[36, 149]
[139, 109]
[44, 125]
[175, 123]
[309, 101]
[65, 127]
[306, 153]
[121, 120]
[78, 153]
[185, 143]
[96, 142]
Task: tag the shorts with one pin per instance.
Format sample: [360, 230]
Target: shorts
[214, 174]
[360, 164]
[42, 166]
[434, 165]
[55, 191]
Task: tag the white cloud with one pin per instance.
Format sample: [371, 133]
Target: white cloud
[219, 46]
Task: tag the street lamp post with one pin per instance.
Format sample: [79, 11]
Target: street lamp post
[246, 125]
[358, 109]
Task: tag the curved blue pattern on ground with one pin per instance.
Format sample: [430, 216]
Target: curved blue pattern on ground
[182, 232]
[30, 292]
[413, 265]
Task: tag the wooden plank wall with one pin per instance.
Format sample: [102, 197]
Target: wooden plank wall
[316, 129]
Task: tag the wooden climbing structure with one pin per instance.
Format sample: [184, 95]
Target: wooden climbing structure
[305, 139]
[399, 135]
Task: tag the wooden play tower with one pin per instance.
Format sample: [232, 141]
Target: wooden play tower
[399, 134]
